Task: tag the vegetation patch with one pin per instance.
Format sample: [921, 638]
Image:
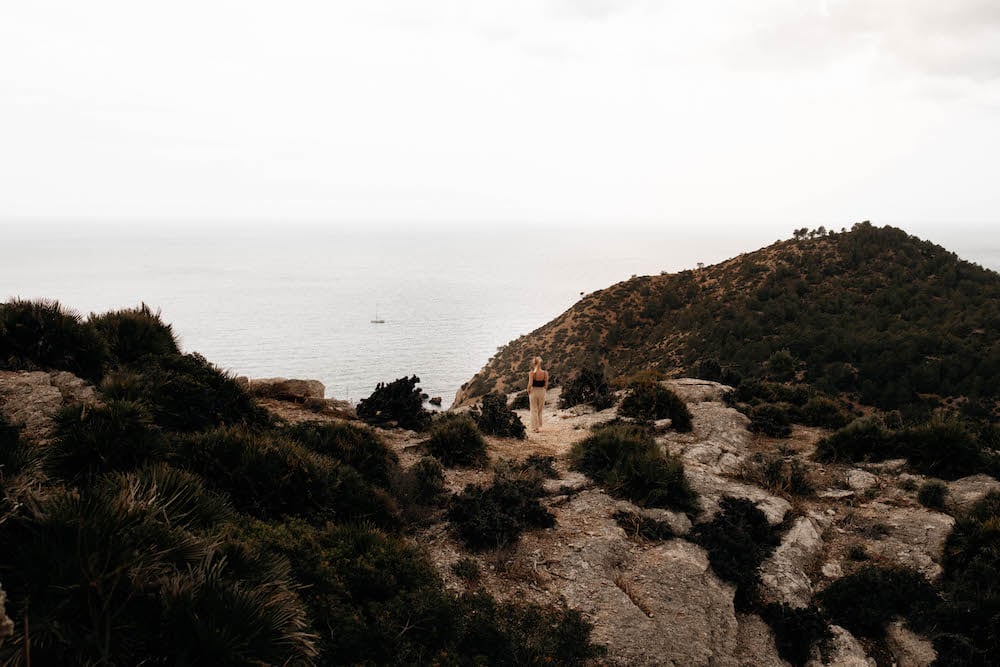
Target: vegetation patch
[587, 386]
[400, 401]
[797, 631]
[783, 475]
[42, 335]
[495, 516]
[932, 495]
[865, 601]
[493, 417]
[770, 419]
[134, 333]
[456, 441]
[650, 401]
[357, 446]
[629, 463]
[636, 525]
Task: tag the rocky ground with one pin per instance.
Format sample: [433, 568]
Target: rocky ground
[656, 603]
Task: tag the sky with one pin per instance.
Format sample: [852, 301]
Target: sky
[697, 115]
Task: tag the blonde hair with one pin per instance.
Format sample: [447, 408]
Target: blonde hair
[537, 361]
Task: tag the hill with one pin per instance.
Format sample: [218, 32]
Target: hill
[872, 313]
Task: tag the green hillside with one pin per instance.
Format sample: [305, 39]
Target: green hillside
[873, 314]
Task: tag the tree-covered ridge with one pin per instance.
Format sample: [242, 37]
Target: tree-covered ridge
[872, 312]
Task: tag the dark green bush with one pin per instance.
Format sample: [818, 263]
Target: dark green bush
[940, 448]
[89, 440]
[825, 413]
[796, 631]
[135, 332]
[932, 495]
[738, 540]
[495, 516]
[861, 440]
[493, 417]
[43, 335]
[865, 601]
[636, 525]
[399, 401]
[420, 487]
[270, 476]
[587, 386]
[631, 465]
[770, 419]
[186, 393]
[778, 474]
[520, 401]
[649, 400]
[455, 441]
[357, 446]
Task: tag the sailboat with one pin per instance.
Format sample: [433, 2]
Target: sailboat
[377, 320]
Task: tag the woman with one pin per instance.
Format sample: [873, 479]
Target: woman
[538, 382]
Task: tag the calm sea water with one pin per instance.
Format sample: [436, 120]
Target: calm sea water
[298, 302]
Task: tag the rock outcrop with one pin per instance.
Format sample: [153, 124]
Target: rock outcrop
[286, 389]
[784, 575]
[32, 398]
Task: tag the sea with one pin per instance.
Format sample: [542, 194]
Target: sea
[269, 300]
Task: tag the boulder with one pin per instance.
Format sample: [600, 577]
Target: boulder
[859, 480]
[755, 643]
[287, 389]
[32, 398]
[784, 573]
[908, 648]
[966, 492]
[916, 538]
[712, 488]
[845, 651]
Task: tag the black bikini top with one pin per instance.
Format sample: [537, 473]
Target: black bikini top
[538, 383]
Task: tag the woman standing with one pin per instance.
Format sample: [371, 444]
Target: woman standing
[538, 382]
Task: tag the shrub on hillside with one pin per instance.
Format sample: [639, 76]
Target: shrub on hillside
[455, 441]
[587, 386]
[770, 419]
[650, 401]
[399, 401]
[865, 601]
[270, 476]
[423, 482]
[940, 448]
[630, 464]
[493, 417]
[495, 516]
[932, 494]
[636, 525]
[862, 439]
[43, 335]
[520, 401]
[778, 474]
[738, 540]
[89, 440]
[135, 332]
[796, 631]
[357, 446]
[824, 412]
[186, 393]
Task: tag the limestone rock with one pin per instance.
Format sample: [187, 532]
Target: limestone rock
[712, 488]
[693, 390]
[859, 480]
[32, 398]
[916, 538]
[845, 651]
[966, 492]
[832, 570]
[908, 648]
[678, 521]
[755, 643]
[287, 389]
[6, 625]
[784, 573]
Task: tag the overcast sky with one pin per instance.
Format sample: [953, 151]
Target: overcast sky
[707, 112]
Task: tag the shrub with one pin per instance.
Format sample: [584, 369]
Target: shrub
[268, 476]
[864, 602]
[651, 401]
[630, 464]
[90, 440]
[455, 441]
[824, 412]
[493, 417]
[738, 540]
[770, 419]
[862, 439]
[796, 631]
[940, 448]
[495, 516]
[543, 465]
[587, 386]
[187, 393]
[781, 475]
[399, 401]
[466, 568]
[637, 525]
[932, 495]
[135, 332]
[357, 446]
[520, 401]
[857, 552]
[421, 485]
[43, 335]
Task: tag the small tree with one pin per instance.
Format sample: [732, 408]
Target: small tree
[400, 401]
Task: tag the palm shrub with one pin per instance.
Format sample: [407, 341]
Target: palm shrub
[357, 446]
[399, 401]
[89, 440]
[865, 601]
[650, 400]
[738, 540]
[630, 464]
[455, 441]
[269, 476]
[493, 417]
[133, 333]
[587, 386]
[44, 335]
